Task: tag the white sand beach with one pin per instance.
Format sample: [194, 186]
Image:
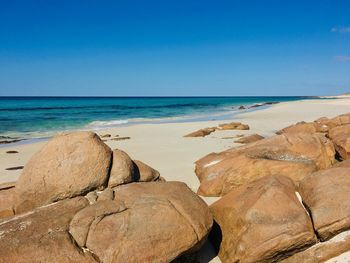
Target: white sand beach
[163, 146]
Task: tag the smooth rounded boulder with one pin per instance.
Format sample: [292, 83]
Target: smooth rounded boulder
[123, 170]
[326, 194]
[292, 155]
[145, 173]
[146, 222]
[68, 165]
[263, 221]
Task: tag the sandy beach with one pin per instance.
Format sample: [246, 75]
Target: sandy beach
[163, 146]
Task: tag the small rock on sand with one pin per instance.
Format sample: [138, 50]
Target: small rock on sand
[11, 152]
[14, 168]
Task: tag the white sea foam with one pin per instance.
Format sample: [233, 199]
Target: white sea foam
[96, 125]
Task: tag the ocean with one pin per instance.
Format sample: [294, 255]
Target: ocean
[35, 117]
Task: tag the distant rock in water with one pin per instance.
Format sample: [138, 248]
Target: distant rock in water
[242, 107]
[263, 104]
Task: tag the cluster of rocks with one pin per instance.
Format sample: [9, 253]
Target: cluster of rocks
[242, 107]
[285, 198]
[225, 126]
[78, 201]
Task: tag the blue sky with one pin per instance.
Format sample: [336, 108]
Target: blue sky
[174, 48]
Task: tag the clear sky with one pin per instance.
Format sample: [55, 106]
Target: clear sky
[174, 47]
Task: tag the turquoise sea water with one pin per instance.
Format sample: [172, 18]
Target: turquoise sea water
[40, 116]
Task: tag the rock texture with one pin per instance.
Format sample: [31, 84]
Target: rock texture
[292, 155]
[145, 173]
[250, 138]
[68, 165]
[233, 126]
[262, 222]
[202, 132]
[7, 200]
[323, 251]
[146, 222]
[341, 138]
[327, 194]
[123, 170]
[42, 235]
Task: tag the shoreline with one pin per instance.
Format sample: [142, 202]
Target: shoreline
[221, 111]
[163, 146]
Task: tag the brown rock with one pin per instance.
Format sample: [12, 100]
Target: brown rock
[343, 119]
[345, 163]
[250, 138]
[145, 173]
[42, 235]
[326, 194]
[91, 197]
[68, 165]
[7, 200]
[340, 136]
[86, 219]
[107, 194]
[202, 132]
[233, 126]
[147, 222]
[242, 107]
[292, 155]
[234, 136]
[322, 251]
[122, 170]
[300, 127]
[262, 222]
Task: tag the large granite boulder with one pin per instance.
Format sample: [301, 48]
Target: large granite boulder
[263, 221]
[292, 155]
[42, 235]
[123, 170]
[340, 136]
[146, 222]
[68, 165]
[326, 194]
